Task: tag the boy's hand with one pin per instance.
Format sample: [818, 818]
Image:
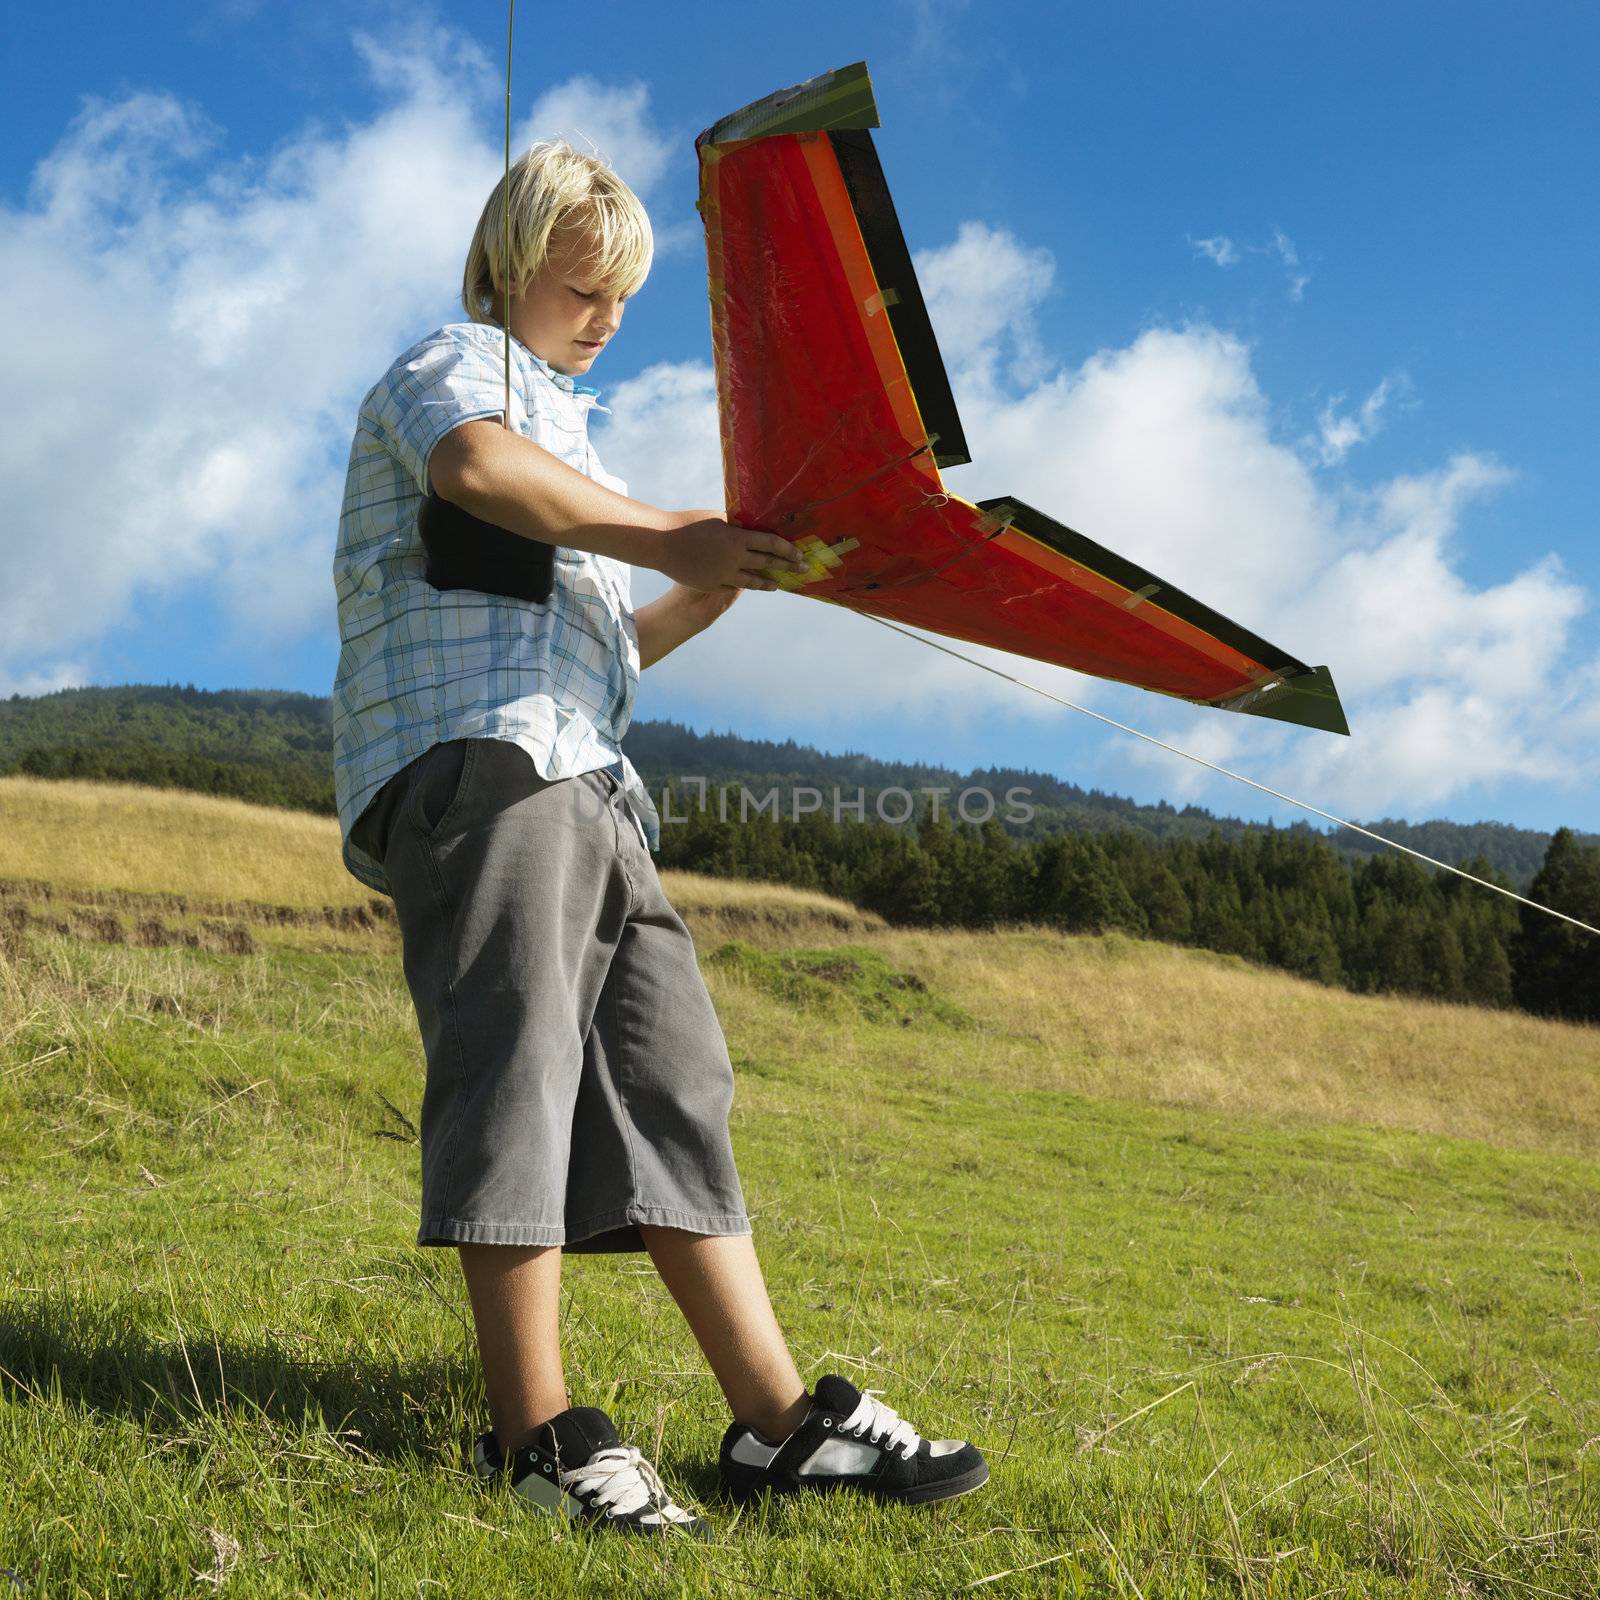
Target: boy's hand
[708, 553]
[678, 615]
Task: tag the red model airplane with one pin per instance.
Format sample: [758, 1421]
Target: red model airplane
[837, 415]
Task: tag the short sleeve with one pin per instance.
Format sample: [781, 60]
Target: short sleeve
[441, 382]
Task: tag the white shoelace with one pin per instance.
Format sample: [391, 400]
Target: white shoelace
[876, 1420]
[625, 1481]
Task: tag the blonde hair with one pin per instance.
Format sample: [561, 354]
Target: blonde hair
[554, 187]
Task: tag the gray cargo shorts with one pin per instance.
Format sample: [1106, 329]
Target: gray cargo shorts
[578, 1082]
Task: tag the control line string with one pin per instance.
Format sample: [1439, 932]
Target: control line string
[1354, 827]
[505, 214]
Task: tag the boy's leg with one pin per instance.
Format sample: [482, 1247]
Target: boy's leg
[718, 1285]
[462, 832]
[516, 1301]
[660, 1092]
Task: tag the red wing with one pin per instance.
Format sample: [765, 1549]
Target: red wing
[837, 415]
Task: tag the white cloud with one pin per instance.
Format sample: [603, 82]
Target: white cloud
[1226, 252]
[611, 120]
[1160, 450]
[933, 42]
[62, 674]
[663, 436]
[981, 292]
[424, 61]
[193, 336]
[1220, 248]
[1338, 435]
[1290, 257]
[1448, 686]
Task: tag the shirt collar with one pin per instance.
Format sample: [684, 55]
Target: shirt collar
[561, 380]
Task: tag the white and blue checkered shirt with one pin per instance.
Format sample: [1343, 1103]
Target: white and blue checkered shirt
[419, 665]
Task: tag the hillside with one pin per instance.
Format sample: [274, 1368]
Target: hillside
[111, 863]
[275, 747]
[1245, 1286]
[1384, 926]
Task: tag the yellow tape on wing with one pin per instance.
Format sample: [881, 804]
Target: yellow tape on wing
[820, 560]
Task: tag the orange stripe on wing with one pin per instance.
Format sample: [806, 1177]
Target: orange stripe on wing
[1052, 561]
[833, 197]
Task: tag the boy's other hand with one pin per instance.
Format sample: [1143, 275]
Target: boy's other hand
[703, 606]
[710, 553]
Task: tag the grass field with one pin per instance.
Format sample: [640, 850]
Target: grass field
[1244, 1286]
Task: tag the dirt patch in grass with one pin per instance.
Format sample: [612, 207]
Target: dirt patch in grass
[375, 911]
[97, 916]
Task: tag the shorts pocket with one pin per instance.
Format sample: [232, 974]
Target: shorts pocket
[440, 784]
[370, 831]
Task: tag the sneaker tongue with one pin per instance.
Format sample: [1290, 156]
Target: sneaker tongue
[833, 1393]
[577, 1433]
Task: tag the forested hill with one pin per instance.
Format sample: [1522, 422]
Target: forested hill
[275, 747]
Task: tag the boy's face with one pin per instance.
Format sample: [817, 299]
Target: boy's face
[561, 315]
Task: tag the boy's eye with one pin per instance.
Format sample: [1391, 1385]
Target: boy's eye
[582, 294]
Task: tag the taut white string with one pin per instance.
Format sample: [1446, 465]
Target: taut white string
[1305, 805]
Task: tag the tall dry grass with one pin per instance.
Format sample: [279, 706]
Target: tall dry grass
[1111, 1017]
[74, 833]
[1137, 1020]
[77, 833]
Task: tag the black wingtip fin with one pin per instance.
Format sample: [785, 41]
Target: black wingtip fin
[838, 99]
[1307, 698]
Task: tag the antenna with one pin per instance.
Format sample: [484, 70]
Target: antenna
[463, 551]
[505, 212]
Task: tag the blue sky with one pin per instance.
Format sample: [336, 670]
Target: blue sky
[1319, 272]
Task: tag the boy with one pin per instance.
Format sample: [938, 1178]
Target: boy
[577, 1082]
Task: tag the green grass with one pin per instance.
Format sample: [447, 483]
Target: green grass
[1205, 1352]
[848, 982]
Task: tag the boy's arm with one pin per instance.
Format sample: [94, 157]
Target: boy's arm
[518, 485]
[665, 622]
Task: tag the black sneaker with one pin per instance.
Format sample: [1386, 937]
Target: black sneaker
[849, 1440]
[577, 1466]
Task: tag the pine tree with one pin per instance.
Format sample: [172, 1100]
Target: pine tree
[1555, 966]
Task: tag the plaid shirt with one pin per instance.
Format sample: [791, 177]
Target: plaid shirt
[419, 665]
